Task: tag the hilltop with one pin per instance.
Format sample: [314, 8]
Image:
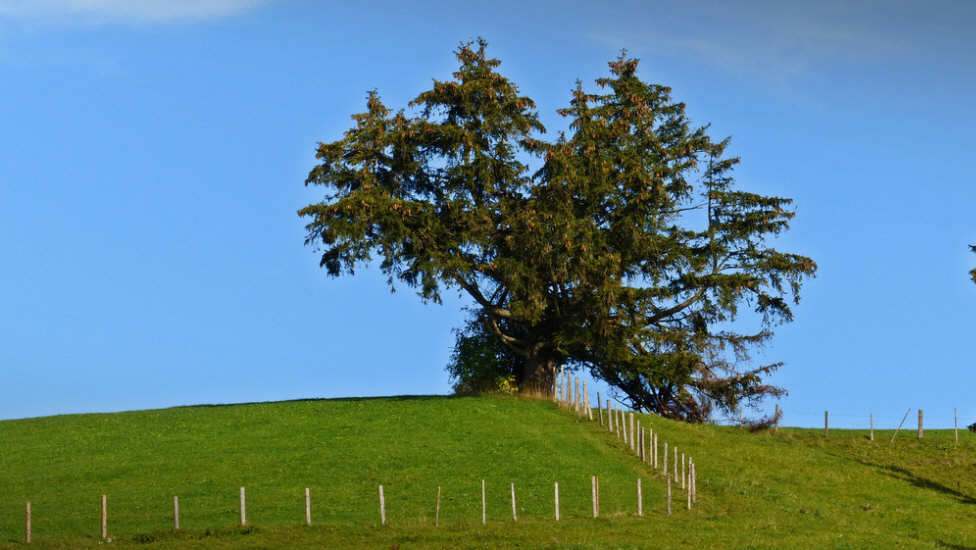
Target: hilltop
[793, 489]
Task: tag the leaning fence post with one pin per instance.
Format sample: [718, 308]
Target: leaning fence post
[900, 425]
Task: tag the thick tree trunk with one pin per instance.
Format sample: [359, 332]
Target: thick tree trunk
[540, 371]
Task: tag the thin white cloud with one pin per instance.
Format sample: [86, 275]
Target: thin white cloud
[122, 11]
[782, 41]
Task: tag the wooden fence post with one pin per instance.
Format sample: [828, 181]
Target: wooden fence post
[632, 443]
[900, 425]
[826, 424]
[243, 509]
[437, 513]
[640, 500]
[104, 517]
[576, 396]
[28, 525]
[654, 454]
[872, 426]
[955, 415]
[382, 507]
[609, 417]
[556, 488]
[675, 449]
[599, 407]
[484, 505]
[665, 469]
[694, 482]
[596, 512]
[920, 423]
[776, 420]
[176, 513]
[308, 506]
[514, 514]
[682, 470]
[669, 491]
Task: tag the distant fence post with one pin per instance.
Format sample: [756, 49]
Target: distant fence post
[28, 526]
[955, 416]
[556, 488]
[920, 423]
[872, 426]
[826, 424]
[776, 420]
[903, 419]
[104, 517]
[514, 514]
[382, 507]
[437, 513]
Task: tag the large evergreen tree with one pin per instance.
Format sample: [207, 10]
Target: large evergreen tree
[628, 252]
[973, 272]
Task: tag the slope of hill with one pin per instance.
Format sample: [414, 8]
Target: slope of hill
[789, 490]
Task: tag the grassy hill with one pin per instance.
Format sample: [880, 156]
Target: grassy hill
[789, 490]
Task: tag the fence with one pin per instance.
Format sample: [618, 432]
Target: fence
[576, 503]
[123, 512]
[921, 424]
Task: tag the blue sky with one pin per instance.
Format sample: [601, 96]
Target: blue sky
[153, 157]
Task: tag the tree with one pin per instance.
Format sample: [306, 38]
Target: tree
[973, 272]
[629, 251]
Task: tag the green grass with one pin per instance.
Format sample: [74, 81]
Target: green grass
[789, 490]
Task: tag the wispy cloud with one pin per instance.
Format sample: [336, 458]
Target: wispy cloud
[122, 11]
[782, 41]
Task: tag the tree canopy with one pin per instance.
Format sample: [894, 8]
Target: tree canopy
[973, 272]
[622, 246]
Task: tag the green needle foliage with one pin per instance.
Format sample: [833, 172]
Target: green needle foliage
[628, 251]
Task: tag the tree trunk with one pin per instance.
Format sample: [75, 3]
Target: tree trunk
[540, 371]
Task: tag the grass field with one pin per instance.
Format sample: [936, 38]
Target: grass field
[793, 489]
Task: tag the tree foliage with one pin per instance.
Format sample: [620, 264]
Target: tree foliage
[628, 251]
[973, 272]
